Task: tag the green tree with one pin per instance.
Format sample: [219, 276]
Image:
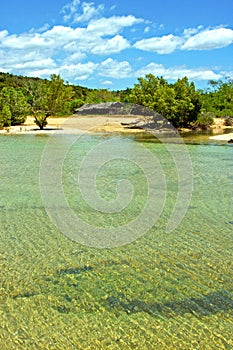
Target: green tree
[218, 98]
[154, 93]
[58, 95]
[36, 92]
[15, 101]
[41, 121]
[102, 95]
[179, 103]
[5, 116]
[188, 104]
[37, 97]
[48, 98]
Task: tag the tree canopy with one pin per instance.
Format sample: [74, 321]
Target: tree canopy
[180, 103]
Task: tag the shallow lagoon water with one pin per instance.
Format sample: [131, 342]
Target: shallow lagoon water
[165, 290]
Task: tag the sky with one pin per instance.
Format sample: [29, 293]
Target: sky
[111, 43]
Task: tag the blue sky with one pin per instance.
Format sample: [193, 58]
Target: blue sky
[109, 43]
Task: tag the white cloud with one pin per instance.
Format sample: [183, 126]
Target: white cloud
[25, 41]
[112, 25]
[4, 70]
[191, 31]
[41, 29]
[113, 45]
[15, 58]
[89, 12]
[80, 12]
[106, 82]
[80, 71]
[69, 9]
[65, 38]
[48, 62]
[162, 45]
[3, 34]
[42, 73]
[227, 74]
[75, 58]
[209, 39]
[173, 73]
[192, 39]
[58, 36]
[115, 69]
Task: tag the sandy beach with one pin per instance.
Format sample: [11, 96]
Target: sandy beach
[98, 123]
[223, 137]
[74, 124]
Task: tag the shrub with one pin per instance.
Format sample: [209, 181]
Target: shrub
[228, 121]
[204, 120]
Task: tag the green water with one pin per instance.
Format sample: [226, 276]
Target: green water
[165, 290]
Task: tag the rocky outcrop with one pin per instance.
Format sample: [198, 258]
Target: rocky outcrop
[145, 118]
[114, 108]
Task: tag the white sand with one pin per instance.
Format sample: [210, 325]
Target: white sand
[223, 137]
[74, 124]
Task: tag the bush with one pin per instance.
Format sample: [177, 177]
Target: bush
[228, 121]
[204, 120]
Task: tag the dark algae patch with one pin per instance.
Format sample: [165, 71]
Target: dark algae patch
[209, 304]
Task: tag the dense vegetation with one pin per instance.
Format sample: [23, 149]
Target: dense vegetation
[179, 102]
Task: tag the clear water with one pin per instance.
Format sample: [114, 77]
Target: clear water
[163, 291]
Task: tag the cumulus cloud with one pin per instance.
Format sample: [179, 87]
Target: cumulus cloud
[69, 9]
[42, 73]
[80, 12]
[108, 68]
[68, 40]
[191, 31]
[75, 58]
[209, 39]
[4, 70]
[162, 45]
[192, 39]
[80, 71]
[89, 11]
[115, 69]
[3, 34]
[173, 73]
[106, 82]
[65, 37]
[25, 41]
[15, 59]
[48, 62]
[113, 45]
[112, 25]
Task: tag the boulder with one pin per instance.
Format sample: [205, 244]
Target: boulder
[114, 108]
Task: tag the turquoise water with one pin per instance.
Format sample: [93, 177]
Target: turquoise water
[165, 290]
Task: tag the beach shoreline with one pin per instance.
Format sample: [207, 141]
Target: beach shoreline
[98, 124]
